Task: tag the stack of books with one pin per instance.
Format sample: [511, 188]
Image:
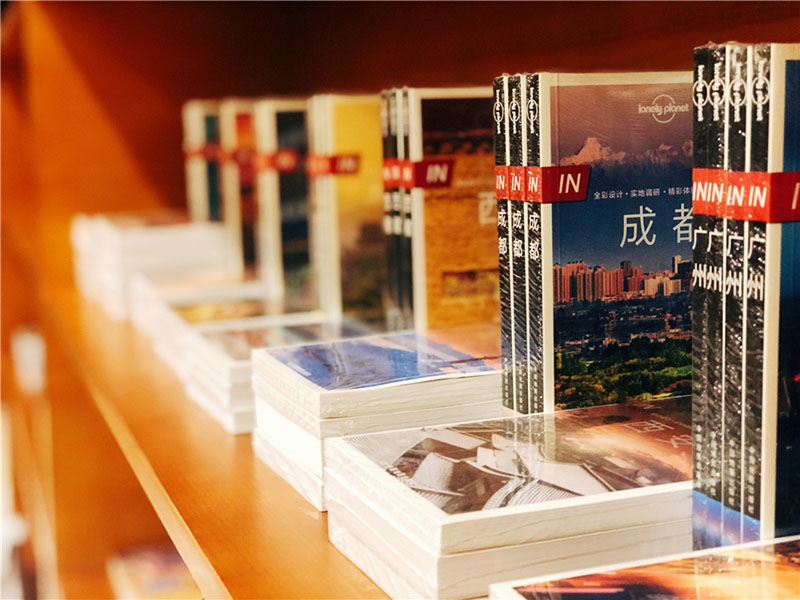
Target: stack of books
[218, 371]
[150, 573]
[442, 512]
[746, 292]
[439, 208]
[752, 571]
[305, 394]
[108, 249]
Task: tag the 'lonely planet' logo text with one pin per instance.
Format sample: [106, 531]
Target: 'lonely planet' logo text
[663, 108]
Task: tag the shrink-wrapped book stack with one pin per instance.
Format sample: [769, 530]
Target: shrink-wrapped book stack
[305, 394]
[442, 512]
[109, 248]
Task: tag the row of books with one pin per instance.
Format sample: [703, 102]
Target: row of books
[746, 292]
[594, 204]
[594, 174]
[298, 186]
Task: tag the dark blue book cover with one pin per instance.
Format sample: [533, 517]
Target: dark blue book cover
[621, 258]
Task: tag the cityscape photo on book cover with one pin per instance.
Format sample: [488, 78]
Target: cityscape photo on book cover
[622, 257]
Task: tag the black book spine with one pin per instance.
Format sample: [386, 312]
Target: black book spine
[518, 235]
[700, 225]
[735, 117]
[534, 251]
[503, 250]
[758, 69]
[388, 131]
[407, 228]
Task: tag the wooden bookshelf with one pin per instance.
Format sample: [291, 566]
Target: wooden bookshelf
[91, 97]
[242, 531]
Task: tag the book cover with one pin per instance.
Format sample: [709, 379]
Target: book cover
[518, 218]
[540, 458]
[224, 310]
[240, 207]
[407, 216]
[533, 224]
[282, 190]
[501, 149]
[617, 238]
[359, 204]
[757, 422]
[391, 208]
[752, 572]
[238, 343]
[454, 207]
[380, 360]
[201, 156]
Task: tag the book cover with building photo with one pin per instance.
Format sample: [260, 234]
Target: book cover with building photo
[454, 213]
[621, 258]
[514, 462]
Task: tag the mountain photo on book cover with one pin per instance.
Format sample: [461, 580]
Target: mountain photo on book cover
[379, 360]
[622, 257]
[771, 571]
[540, 458]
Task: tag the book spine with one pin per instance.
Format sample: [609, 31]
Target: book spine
[787, 404]
[534, 253]
[518, 239]
[389, 131]
[733, 300]
[758, 65]
[211, 126]
[406, 224]
[700, 260]
[506, 316]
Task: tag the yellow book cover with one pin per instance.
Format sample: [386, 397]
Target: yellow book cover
[356, 129]
[454, 210]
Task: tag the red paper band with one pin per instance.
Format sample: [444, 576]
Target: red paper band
[283, 161]
[343, 164]
[501, 182]
[208, 152]
[392, 173]
[516, 183]
[241, 156]
[429, 173]
[747, 196]
[547, 185]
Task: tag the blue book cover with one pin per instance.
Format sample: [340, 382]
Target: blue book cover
[616, 262]
[384, 359]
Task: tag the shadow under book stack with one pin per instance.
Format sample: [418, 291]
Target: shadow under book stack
[746, 292]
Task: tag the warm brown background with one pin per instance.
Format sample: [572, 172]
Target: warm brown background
[91, 94]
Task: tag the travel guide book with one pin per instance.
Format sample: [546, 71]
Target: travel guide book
[746, 241]
[749, 572]
[378, 373]
[405, 569]
[450, 175]
[348, 246]
[282, 193]
[517, 480]
[240, 207]
[612, 189]
[201, 159]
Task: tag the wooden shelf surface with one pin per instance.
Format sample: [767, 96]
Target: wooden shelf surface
[242, 531]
